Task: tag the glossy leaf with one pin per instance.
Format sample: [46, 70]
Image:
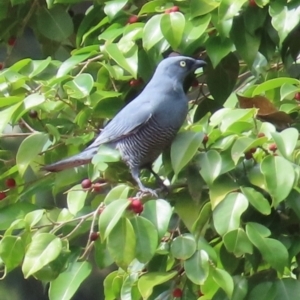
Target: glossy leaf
[211, 164]
[227, 214]
[172, 26]
[197, 267]
[111, 216]
[183, 246]
[257, 200]
[237, 242]
[121, 243]
[273, 251]
[68, 282]
[146, 238]
[43, 249]
[148, 281]
[277, 183]
[158, 212]
[184, 148]
[27, 154]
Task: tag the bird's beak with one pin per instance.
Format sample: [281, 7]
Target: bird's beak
[199, 64]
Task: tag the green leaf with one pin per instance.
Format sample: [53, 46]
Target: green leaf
[27, 154]
[240, 287]
[224, 280]
[195, 28]
[273, 84]
[151, 7]
[257, 200]
[220, 188]
[184, 147]
[121, 243]
[33, 217]
[227, 214]
[284, 18]
[14, 212]
[172, 26]
[286, 141]
[43, 249]
[183, 246]
[203, 7]
[286, 288]
[237, 242]
[68, 282]
[148, 281]
[146, 238]
[55, 24]
[243, 145]
[112, 8]
[277, 183]
[80, 87]
[273, 251]
[12, 250]
[228, 9]
[159, 213]
[211, 165]
[247, 44]
[152, 34]
[70, 63]
[76, 199]
[6, 115]
[111, 216]
[197, 267]
[127, 61]
[101, 255]
[118, 192]
[217, 48]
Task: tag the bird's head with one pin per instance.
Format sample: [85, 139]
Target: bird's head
[178, 67]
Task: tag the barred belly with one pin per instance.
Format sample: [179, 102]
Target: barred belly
[143, 147]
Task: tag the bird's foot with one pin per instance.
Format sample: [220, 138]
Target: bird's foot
[146, 191]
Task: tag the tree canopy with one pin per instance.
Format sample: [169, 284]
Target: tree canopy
[229, 228]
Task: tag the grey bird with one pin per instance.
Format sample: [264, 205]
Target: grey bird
[147, 125]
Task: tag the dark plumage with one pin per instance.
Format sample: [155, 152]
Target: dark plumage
[148, 124]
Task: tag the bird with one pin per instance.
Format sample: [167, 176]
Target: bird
[147, 125]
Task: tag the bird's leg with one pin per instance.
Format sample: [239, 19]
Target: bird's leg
[158, 179]
[135, 172]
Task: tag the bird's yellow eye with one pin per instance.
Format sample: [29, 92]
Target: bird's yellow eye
[183, 63]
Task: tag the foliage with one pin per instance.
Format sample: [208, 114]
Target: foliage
[229, 228]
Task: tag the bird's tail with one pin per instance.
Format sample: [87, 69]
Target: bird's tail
[77, 160]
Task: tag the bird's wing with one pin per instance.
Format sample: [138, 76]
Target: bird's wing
[126, 122]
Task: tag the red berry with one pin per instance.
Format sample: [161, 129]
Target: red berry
[174, 9]
[252, 150]
[177, 293]
[136, 205]
[261, 134]
[10, 182]
[195, 83]
[252, 3]
[2, 195]
[297, 96]
[11, 41]
[33, 114]
[205, 139]
[86, 184]
[135, 82]
[133, 19]
[97, 187]
[273, 147]
[94, 236]
[168, 10]
[248, 155]
[1, 66]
